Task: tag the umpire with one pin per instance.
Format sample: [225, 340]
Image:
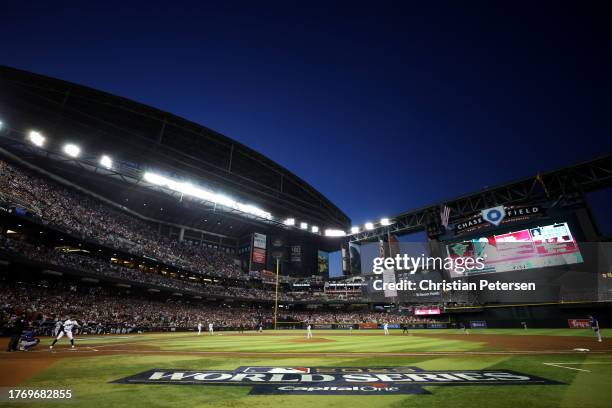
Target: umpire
[15, 332]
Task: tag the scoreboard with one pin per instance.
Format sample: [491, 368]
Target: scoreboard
[538, 247]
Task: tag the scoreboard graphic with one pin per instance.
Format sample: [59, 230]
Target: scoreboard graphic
[539, 247]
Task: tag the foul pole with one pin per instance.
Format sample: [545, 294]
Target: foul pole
[276, 296]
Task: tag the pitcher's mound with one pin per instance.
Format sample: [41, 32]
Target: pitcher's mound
[313, 340]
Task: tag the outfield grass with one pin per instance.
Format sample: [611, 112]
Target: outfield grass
[89, 374]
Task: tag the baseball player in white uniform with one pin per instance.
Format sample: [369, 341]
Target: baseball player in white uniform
[68, 325]
[386, 328]
[199, 328]
[210, 328]
[309, 331]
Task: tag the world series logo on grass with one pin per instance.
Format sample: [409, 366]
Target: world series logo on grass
[334, 380]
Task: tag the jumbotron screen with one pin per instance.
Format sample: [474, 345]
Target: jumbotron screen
[539, 247]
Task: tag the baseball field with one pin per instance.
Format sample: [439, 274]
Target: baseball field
[501, 368]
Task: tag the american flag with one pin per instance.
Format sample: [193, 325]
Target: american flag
[444, 215]
[381, 247]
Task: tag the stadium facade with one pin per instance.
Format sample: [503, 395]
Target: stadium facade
[107, 191]
[141, 140]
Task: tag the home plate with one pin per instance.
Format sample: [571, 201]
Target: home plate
[581, 349]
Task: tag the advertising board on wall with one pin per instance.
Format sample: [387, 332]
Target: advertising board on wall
[296, 253]
[258, 251]
[427, 311]
[323, 262]
[579, 323]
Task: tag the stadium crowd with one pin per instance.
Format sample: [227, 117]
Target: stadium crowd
[101, 268]
[99, 310]
[89, 219]
[352, 317]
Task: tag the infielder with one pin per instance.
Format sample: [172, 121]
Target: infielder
[211, 329]
[595, 327]
[386, 328]
[199, 328]
[309, 331]
[67, 330]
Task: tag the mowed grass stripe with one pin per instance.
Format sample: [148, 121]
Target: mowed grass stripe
[336, 344]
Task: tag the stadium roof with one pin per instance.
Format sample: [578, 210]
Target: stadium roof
[143, 138]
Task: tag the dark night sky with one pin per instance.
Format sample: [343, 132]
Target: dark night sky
[383, 109]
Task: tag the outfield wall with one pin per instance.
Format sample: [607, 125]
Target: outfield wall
[545, 316]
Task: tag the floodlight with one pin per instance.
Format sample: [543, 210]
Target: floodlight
[354, 230]
[72, 150]
[106, 162]
[189, 189]
[314, 229]
[36, 138]
[155, 179]
[385, 221]
[369, 226]
[334, 233]
[303, 225]
[290, 221]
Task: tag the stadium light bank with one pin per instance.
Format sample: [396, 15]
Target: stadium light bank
[193, 191]
[106, 162]
[334, 233]
[72, 150]
[370, 226]
[36, 138]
